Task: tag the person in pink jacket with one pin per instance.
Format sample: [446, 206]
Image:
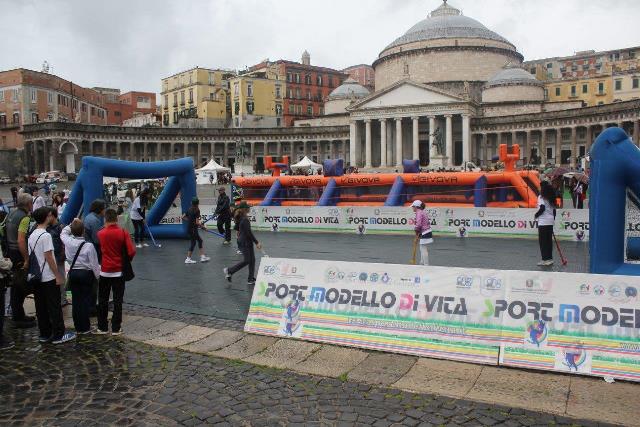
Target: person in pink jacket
[423, 230]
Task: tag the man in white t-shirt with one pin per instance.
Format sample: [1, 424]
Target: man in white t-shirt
[38, 200]
[137, 215]
[47, 286]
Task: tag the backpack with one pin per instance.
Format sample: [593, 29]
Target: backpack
[34, 273]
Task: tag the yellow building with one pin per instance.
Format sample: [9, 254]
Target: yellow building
[626, 85]
[256, 100]
[592, 91]
[196, 98]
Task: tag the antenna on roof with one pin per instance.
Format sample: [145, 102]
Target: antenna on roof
[45, 67]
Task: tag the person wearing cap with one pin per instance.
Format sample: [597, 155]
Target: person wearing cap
[246, 240]
[423, 230]
[192, 216]
[223, 211]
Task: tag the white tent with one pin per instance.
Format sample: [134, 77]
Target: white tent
[208, 171]
[306, 164]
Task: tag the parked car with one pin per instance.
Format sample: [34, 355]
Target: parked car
[51, 176]
[5, 180]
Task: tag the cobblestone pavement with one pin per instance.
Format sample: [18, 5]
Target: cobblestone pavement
[113, 381]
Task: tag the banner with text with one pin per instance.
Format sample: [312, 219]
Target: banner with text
[578, 323]
[463, 222]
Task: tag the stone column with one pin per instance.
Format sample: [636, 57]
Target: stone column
[558, 146]
[484, 146]
[449, 129]
[225, 155]
[636, 131]
[498, 140]
[543, 146]
[145, 152]
[118, 150]
[344, 150]
[398, 142]
[36, 160]
[353, 142]
[279, 149]
[527, 147]
[367, 139]
[171, 150]
[574, 147]
[432, 128]
[212, 149]
[514, 137]
[589, 138]
[416, 138]
[383, 143]
[466, 138]
[305, 148]
[52, 157]
[332, 149]
[45, 155]
[252, 151]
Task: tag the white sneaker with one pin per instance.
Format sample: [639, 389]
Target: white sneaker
[139, 246]
[146, 245]
[204, 258]
[69, 336]
[116, 333]
[549, 262]
[238, 252]
[189, 261]
[226, 243]
[542, 263]
[100, 332]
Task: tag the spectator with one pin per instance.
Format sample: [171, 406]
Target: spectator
[84, 270]
[5, 279]
[546, 216]
[16, 229]
[93, 223]
[223, 211]
[114, 242]
[137, 214]
[246, 240]
[46, 279]
[38, 200]
[14, 195]
[55, 230]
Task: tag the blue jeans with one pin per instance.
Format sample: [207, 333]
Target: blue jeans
[80, 283]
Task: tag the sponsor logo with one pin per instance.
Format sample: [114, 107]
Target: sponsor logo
[574, 359]
[585, 289]
[385, 278]
[464, 282]
[536, 332]
[598, 290]
[374, 277]
[615, 291]
[363, 277]
[631, 292]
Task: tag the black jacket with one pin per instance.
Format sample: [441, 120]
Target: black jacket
[245, 235]
[223, 208]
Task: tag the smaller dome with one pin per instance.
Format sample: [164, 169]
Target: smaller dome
[348, 89]
[513, 76]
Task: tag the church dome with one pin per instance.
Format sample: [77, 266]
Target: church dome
[349, 89]
[445, 49]
[447, 22]
[513, 76]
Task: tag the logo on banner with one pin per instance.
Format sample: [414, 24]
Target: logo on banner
[462, 232]
[585, 289]
[291, 318]
[536, 333]
[580, 235]
[631, 292]
[374, 277]
[573, 360]
[598, 290]
[385, 278]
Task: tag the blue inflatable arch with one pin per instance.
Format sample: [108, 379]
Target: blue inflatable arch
[89, 187]
[615, 168]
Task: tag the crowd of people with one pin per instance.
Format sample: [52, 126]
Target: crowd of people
[90, 258]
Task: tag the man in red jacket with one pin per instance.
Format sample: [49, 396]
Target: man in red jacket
[113, 241]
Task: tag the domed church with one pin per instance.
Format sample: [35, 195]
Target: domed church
[450, 90]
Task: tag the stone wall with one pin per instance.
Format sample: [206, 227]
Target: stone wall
[511, 93]
[336, 106]
[441, 66]
[511, 109]
[334, 120]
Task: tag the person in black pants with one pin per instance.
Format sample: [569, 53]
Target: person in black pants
[246, 240]
[83, 271]
[5, 279]
[223, 210]
[546, 216]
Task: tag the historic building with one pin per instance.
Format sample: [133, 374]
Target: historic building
[447, 92]
[363, 74]
[307, 86]
[256, 100]
[122, 107]
[450, 91]
[596, 78]
[62, 145]
[198, 97]
[29, 97]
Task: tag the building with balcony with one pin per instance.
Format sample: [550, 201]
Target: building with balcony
[198, 97]
[30, 97]
[307, 86]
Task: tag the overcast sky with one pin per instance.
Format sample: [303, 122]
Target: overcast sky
[132, 44]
